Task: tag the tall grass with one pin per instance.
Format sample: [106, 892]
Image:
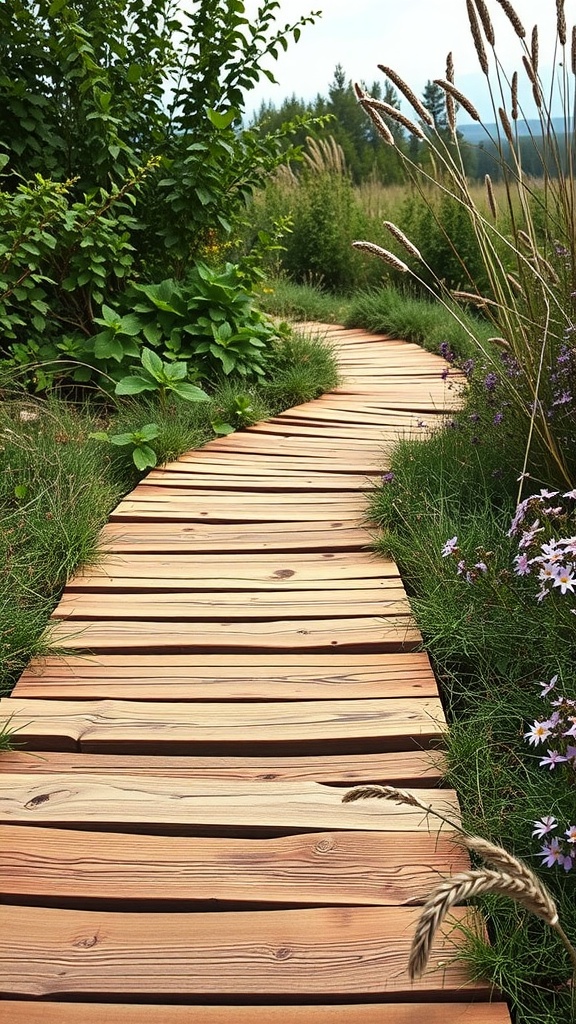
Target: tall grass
[527, 240]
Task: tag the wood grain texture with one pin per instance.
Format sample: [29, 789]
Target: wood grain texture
[232, 807]
[164, 727]
[401, 768]
[204, 538]
[336, 951]
[299, 571]
[329, 868]
[193, 606]
[366, 634]
[15, 1012]
[229, 677]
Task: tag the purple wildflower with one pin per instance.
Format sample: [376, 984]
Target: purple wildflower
[545, 825]
[450, 546]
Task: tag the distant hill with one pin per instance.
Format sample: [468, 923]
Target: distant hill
[476, 133]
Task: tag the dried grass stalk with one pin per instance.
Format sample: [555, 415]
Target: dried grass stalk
[486, 21]
[459, 97]
[490, 195]
[561, 22]
[513, 18]
[573, 53]
[477, 300]
[529, 69]
[387, 257]
[477, 36]
[396, 115]
[378, 122]
[501, 342]
[401, 237]
[516, 285]
[408, 93]
[525, 240]
[524, 890]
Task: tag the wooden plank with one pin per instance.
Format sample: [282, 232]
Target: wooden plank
[223, 808]
[330, 868]
[360, 635]
[234, 512]
[300, 571]
[407, 769]
[389, 598]
[335, 951]
[228, 677]
[162, 727]
[227, 539]
[18, 1012]
[270, 483]
[246, 462]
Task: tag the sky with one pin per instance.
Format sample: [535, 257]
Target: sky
[411, 36]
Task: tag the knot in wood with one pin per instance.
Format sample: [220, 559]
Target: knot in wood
[324, 845]
[284, 953]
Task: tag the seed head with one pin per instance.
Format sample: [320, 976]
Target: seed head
[408, 93]
[459, 97]
[486, 22]
[514, 90]
[513, 18]
[561, 22]
[383, 254]
[396, 115]
[477, 36]
[491, 196]
[401, 237]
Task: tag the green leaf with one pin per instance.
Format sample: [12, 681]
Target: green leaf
[99, 435]
[149, 431]
[144, 457]
[130, 325]
[20, 491]
[189, 392]
[152, 363]
[134, 385]
[4, 158]
[56, 6]
[176, 371]
[221, 120]
[222, 428]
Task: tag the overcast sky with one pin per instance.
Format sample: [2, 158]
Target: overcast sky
[411, 36]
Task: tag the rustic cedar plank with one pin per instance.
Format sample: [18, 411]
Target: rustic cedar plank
[228, 677]
[18, 1012]
[270, 485]
[227, 807]
[179, 498]
[329, 433]
[241, 607]
[204, 538]
[160, 727]
[401, 769]
[329, 868]
[232, 512]
[105, 583]
[360, 635]
[332, 951]
[370, 457]
[298, 570]
[246, 462]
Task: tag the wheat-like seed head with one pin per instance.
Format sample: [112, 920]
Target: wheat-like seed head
[573, 50]
[491, 196]
[506, 125]
[400, 796]
[486, 22]
[450, 105]
[463, 886]
[500, 858]
[501, 342]
[401, 237]
[561, 22]
[514, 91]
[534, 49]
[478, 300]
[513, 18]
[408, 93]
[536, 92]
[396, 115]
[379, 123]
[382, 254]
[459, 97]
[477, 36]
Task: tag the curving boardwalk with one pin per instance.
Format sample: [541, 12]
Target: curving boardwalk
[173, 845]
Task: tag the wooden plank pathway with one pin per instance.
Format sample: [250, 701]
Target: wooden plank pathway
[172, 833]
